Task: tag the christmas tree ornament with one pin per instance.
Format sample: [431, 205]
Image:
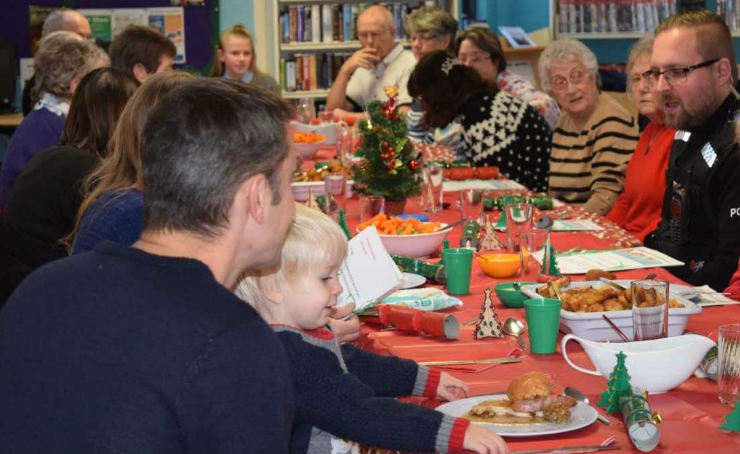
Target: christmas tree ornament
[343, 224]
[311, 201]
[641, 424]
[488, 324]
[549, 266]
[489, 239]
[732, 419]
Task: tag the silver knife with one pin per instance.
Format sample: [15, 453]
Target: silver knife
[579, 396]
[508, 359]
[567, 449]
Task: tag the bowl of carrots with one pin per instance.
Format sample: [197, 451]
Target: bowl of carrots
[307, 143]
[407, 237]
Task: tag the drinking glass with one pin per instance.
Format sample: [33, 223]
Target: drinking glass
[530, 241]
[344, 144]
[728, 357]
[471, 203]
[432, 187]
[305, 110]
[335, 192]
[649, 309]
[518, 220]
[370, 206]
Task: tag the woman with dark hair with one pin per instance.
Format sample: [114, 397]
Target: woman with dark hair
[498, 129]
[46, 195]
[480, 48]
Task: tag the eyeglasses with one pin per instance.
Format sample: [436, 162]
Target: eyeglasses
[422, 37]
[473, 59]
[560, 83]
[367, 35]
[675, 75]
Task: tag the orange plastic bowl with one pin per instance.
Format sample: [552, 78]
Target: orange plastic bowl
[499, 264]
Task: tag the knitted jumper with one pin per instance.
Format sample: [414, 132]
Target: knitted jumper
[588, 161]
[343, 391]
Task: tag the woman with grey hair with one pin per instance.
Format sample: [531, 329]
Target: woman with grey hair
[431, 29]
[63, 59]
[595, 136]
[637, 209]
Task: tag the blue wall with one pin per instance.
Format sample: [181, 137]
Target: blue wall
[233, 11]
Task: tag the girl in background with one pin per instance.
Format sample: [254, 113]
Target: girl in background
[236, 59]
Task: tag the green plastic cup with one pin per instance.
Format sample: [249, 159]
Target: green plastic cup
[543, 318]
[458, 263]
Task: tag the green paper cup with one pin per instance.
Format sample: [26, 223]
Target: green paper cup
[543, 318]
[457, 264]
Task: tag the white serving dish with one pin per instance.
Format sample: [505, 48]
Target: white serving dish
[328, 130]
[655, 366]
[592, 326]
[307, 150]
[300, 189]
[420, 245]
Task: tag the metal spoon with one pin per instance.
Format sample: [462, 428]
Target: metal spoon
[515, 327]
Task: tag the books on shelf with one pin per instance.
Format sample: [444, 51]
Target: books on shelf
[310, 71]
[331, 22]
[614, 16]
[730, 12]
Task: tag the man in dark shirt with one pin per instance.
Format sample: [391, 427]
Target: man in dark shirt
[145, 348]
[693, 69]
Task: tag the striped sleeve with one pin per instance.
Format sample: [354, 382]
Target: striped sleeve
[587, 164]
[614, 141]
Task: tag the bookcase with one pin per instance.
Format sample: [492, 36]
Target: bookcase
[312, 38]
[597, 19]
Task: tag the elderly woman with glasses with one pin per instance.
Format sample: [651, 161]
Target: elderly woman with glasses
[595, 136]
[429, 29]
[637, 209]
[480, 48]
[497, 129]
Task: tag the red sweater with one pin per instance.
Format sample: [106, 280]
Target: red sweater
[734, 288]
[637, 209]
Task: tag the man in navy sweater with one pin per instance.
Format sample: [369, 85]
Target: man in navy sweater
[144, 348]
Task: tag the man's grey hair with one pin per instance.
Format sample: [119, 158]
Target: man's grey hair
[62, 58]
[56, 21]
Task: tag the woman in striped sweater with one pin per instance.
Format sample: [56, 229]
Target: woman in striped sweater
[595, 136]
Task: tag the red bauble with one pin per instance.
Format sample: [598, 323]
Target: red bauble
[413, 164]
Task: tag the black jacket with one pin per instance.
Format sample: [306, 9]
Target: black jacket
[700, 222]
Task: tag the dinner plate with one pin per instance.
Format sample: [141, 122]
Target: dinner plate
[411, 280]
[581, 415]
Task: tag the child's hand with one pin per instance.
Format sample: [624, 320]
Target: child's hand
[483, 441]
[450, 388]
[345, 330]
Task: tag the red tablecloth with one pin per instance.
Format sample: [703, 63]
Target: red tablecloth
[691, 413]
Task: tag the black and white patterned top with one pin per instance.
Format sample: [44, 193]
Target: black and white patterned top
[504, 131]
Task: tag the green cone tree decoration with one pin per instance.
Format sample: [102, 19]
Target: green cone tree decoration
[619, 383]
[732, 419]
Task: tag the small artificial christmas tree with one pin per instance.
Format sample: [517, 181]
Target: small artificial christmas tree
[549, 261]
[391, 166]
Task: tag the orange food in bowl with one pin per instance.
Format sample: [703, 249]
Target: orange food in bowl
[499, 265]
[399, 226]
[307, 137]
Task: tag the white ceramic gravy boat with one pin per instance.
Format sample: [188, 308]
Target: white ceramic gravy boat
[655, 366]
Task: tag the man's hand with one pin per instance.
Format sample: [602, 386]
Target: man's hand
[345, 330]
[363, 58]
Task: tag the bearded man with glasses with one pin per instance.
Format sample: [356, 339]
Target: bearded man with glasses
[693, 71]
